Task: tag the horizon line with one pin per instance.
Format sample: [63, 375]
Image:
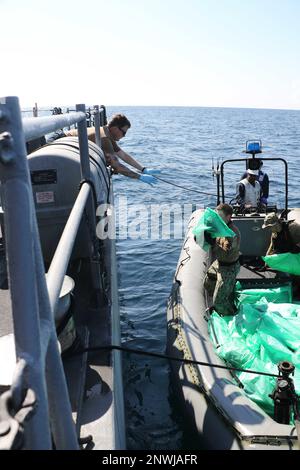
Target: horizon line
[168, 106]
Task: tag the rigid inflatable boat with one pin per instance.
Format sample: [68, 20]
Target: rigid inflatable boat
[215, 399]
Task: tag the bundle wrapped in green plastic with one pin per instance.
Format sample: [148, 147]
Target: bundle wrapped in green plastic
[281, 294]
[212, 223]
[286, 262]
[260, 336]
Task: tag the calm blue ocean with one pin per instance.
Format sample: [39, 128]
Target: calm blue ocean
[182, 142]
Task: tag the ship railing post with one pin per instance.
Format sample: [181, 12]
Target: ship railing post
[102, 123]
[32, 315]
[35, 110]
[97, 125]
[103, 115]
[68, 110]
[62, 425]
[91, 204]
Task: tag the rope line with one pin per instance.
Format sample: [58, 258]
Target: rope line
[165, 356]
[183, 187]
[188, 189]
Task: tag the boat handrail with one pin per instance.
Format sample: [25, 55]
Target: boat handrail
[33, 299]
[61, 257]
[35, 127]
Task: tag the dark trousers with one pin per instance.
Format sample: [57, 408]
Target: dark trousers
[219, 283]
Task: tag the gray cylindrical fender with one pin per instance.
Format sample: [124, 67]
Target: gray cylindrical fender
[55, 175]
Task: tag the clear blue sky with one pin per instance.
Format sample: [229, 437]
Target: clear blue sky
[236, 53]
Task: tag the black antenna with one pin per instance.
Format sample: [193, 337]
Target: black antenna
[218, 181]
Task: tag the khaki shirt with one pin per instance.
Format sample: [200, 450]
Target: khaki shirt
[281, 243]
[233, 243]
[294, 229]
[90, 132]
[108, 144]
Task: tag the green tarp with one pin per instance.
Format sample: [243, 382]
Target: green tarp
[262, 334]
[286, 262]
[211, 222]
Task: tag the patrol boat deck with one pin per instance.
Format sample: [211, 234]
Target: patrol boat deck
[56, 395]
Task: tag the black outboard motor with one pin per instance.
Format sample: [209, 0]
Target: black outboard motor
[284, 395]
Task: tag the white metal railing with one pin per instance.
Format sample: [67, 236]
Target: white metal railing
[33, 302]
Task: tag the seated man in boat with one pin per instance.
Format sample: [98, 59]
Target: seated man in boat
[249, 191]
[263, 180]
[221, 275]
[285, 235]
[110, 134]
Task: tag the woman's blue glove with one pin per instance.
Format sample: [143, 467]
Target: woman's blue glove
[148, 179]
[150, 171]
[264, 200]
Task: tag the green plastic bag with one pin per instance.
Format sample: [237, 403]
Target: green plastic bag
[249, 318]
[258, 337]
[282, 294]
[211, 222]
[285, 262]
[274, 348]
[259, 387]
[287, 331]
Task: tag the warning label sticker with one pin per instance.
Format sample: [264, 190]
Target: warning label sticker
[44, 197]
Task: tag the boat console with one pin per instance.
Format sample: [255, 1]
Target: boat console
[242, 210]
[253, 163]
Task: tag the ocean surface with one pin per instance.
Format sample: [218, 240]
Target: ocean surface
[184, 143]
